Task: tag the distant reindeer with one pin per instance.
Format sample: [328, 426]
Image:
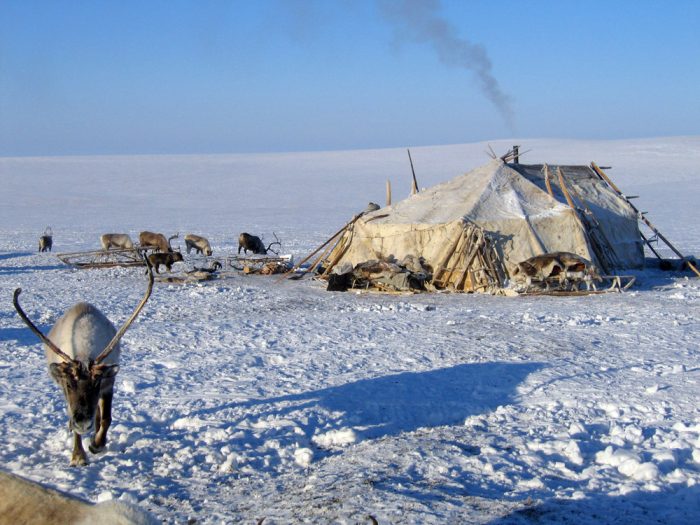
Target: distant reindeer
[46, 240]
[199, 244]
[156, 241]
[82, 353]
[166, 259]
[116, 240]
[255, 244]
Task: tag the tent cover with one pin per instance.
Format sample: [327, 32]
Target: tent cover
[474, 230]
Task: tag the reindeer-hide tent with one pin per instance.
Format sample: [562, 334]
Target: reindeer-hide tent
[475, 230]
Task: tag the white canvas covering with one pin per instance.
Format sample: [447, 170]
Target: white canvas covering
[506, 202]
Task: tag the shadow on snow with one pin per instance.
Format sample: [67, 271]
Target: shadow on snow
[680, 507]
[405, 402]
[365, 409]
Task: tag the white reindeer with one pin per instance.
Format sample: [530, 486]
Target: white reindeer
[116, 240]
[82, 352]
[199, 244]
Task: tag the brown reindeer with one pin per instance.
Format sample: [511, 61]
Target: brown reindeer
[255, 244]
[155, 241]
[82, 352]
[166, 259]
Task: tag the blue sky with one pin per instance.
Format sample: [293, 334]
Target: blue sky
[123, 77]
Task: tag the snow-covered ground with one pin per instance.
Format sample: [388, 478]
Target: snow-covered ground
[249, 398]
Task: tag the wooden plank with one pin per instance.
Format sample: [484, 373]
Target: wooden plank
[441, 266]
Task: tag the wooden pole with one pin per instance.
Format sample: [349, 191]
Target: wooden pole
[414, 189]
[564, 190]
[388, 192]
[547, 182]
[593, 244]
[340, 231]
[341, 252]
[646, 221]
[597, 230]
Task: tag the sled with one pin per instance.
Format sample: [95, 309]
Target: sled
[605, 284]
[103, 258]
[208, 268]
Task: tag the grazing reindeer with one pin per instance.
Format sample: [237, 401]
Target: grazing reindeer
[199, 244]
[166, 259]
[46, 240]
[116, 240]
[82, 351]
[255, 244]
[156, 241]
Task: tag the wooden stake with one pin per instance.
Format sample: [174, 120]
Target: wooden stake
[414, 188]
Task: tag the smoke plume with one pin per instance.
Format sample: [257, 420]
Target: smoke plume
[420, 21]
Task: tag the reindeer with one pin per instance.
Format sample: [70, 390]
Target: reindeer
[45, 243]
[46, 240]
[199, 244]
[255, 244]
[156, 241]
[82, 353]
[116, 240]
[166, 259]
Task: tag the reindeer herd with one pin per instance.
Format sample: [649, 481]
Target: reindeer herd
[82, 349]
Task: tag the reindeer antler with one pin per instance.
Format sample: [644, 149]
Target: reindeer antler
[277, 241]
[33, 328]
[115, 340]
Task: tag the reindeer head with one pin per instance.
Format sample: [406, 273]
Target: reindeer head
[81, 385]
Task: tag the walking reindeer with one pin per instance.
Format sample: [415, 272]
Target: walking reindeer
[82, 353]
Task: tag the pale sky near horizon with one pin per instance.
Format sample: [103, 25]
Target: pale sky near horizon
[127, 77]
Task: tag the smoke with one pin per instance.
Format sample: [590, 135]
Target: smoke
[420, 21]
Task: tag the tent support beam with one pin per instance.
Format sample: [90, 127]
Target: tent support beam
[593, 244]
[336, 234]
[641, 217]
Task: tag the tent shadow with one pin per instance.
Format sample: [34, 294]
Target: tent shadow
[404, 402]
[680, 507]
[387, 405]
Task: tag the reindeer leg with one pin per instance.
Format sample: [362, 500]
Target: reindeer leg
[98, 418]
[105, 413]
[79, 458]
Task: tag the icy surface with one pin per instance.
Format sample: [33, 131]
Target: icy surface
[249, 398]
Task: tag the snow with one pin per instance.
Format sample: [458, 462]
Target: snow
[251, 398]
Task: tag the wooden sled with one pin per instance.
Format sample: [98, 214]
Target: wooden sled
[609, 283]
[103, 258]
